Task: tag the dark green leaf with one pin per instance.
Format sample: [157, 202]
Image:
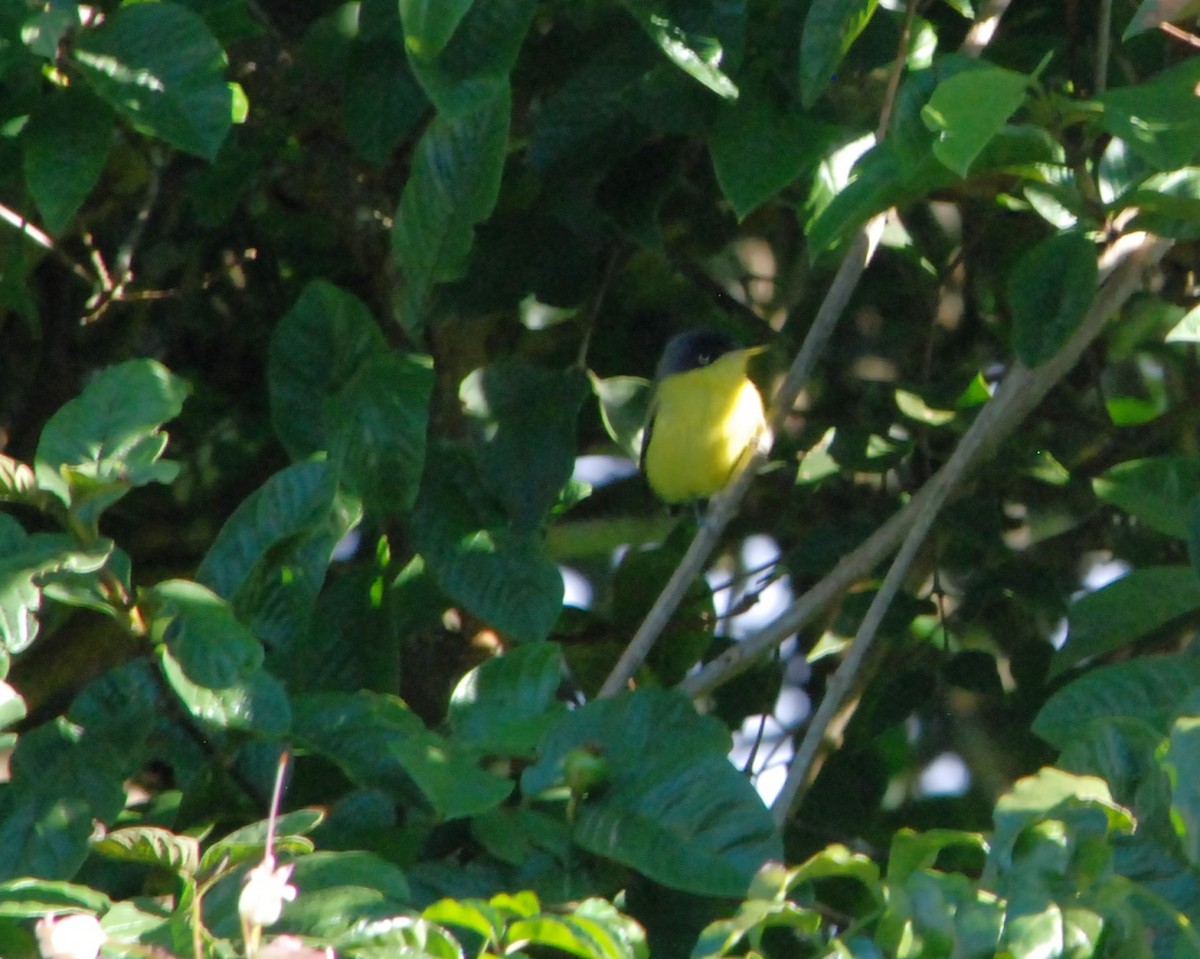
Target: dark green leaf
[474, 66]
[341, 889]
[316, 348]
[830, 28]
[1049, 290]
[63, 781]
[674, 808]
[759, 146]
[501, 575]
[161, 69]
[382, 102]
[524, 424]
[379, 743]
[208, 642]
[504, 706]
[377, 423]
[1149, 690]
[1160, 119]
[1182, 756]
[271, 555]
[697, 54]
[968, 109]
[1126, 610]
[66, 144]
[1158, 491]
[454, 183]
[255, 703]
[429, 24]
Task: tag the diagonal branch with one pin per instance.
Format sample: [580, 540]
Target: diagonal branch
[1124, 263]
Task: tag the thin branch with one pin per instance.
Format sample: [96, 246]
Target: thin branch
[1103, 47]
[36, 235]
[1179, 34]
[984, 28]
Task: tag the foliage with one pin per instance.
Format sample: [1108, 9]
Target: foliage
[387, 272]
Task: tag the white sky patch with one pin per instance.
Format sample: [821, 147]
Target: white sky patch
[947, 775]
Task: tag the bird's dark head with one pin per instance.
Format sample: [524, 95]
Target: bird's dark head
[692, 350]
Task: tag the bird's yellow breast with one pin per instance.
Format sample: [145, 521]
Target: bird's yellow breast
[704, 423]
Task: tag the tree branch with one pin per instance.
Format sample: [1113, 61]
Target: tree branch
[1124, 264]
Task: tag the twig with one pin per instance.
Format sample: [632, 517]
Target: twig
[984, 28]
[1103, 46]
[35, 234]
[1124, 264]
[1179, 34]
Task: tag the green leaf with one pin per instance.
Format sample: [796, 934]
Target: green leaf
[63, 781]
[12, 706]
[1049, 291]
[341, 889]
[1150, 13]
[506, 579]
[1159, 119]
[912, 851]
[382, 102]
[1181, 762]
[830, 29]
[403, 936]
[759, 146]
[453, 185]
[380, 743]
[474, 66]
[578, 937]
[255, 703]
[26, 566]
[378, 422]
[106, 441]
[1186, 330]
[28, 898]
[698, 54]
[151, 846]
[271, 556]
[523, 419]
[161, 69]
[624, 405]
[1156, 491]
[250, 841]
[318, 345]
[429, 24]
[968, 109]
[674, 808]
[203, 635]
[503, 706]
[66, 143]
[1050, 793]
[1126, 610]
[1148, 690]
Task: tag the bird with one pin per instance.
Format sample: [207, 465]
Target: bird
[705, 417]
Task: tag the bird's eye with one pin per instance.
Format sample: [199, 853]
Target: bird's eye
[704, 359]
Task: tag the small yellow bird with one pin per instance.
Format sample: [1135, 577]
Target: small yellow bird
[705, 416]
